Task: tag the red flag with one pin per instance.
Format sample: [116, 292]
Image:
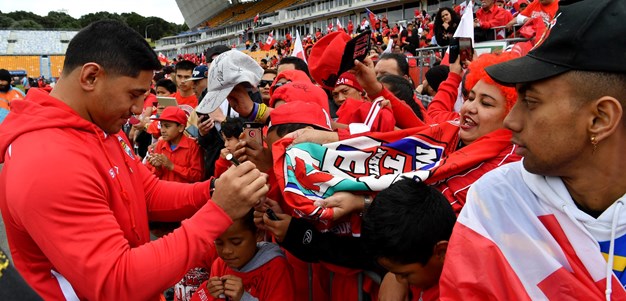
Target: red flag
[256, 18]
[373, 18]
[269, 42]
[339, 27]
[298, 50]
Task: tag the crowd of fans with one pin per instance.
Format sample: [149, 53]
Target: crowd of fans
[288, 179]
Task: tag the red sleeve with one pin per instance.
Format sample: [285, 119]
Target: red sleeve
[193, 172]
[82, 239]
[441, 108]
[221, 165]
[404, 115]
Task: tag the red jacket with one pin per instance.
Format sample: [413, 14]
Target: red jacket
[493, 17]
[263, 278]
[187, 160]
[76, 204]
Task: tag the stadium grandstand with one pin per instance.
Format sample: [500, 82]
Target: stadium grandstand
[215, 22]
[36, 52]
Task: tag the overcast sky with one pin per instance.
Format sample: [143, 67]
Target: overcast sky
[165, 9]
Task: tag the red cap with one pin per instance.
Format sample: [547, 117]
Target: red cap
[325, 58]
[349, 79]
[290, 75]
[174, 114]
[300, 91]
[292, 112]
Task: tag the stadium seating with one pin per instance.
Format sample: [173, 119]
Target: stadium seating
[34, 42]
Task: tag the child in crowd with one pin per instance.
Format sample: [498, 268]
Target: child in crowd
[175, 157]
[231, 129]
[406, 230]
[245, 269]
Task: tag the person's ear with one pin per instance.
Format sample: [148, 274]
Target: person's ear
[89, 75]
[606, 116]
[439, 250]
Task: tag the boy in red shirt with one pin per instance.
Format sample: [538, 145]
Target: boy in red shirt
[175, 157]
[245, 269]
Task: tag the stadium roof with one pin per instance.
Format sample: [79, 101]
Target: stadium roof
[197, 11]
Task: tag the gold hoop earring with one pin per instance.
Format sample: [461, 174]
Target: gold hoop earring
[594, 142]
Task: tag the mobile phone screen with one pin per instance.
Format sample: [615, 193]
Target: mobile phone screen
[466, 51]
[253, 132]
[356, 49]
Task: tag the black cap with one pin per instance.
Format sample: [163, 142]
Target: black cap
[5, 75]
[436, 75]
[215, 50]
[587, 35]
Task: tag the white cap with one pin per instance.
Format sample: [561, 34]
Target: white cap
[228, 70]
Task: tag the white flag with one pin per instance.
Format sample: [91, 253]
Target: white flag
[298, 50]
[466, 26]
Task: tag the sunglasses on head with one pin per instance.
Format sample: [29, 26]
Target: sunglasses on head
[264, 83]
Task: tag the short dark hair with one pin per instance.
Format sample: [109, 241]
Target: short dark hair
[167, 84]
[403, 89]
[247, 221]
[185, 65]
[284, 129]
[264, 61]
[297, 62]
[401, 59]
[406, 221]
[590, 85]
[270, 71]
[116, 47]
[232, 127]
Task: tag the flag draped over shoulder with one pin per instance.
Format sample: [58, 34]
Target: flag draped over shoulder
[307, 172]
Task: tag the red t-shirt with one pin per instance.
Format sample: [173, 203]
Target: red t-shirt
[191, 100]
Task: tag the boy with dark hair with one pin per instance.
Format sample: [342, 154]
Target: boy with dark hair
[185, 94]
[245, 269]
[293, 63]
[165, 87]
[231, 129]
[406, 230]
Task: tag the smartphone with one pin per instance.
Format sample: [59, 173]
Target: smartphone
[165, 101]
[356, 49]
[253, 132]
[462, 47]
[271, 214]
[202, 117]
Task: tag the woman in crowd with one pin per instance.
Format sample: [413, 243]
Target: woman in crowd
[446, 23]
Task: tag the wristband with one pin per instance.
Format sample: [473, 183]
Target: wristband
[260, 116]
[254, 112]
[367, 201]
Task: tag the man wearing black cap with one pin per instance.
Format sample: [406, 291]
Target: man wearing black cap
[553, 226]
[7, 93]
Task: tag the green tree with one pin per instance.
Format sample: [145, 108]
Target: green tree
[62, 20]
[26, 24]
[93, 17]
[6, 22]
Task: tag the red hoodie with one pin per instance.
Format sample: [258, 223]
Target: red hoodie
[76, 204]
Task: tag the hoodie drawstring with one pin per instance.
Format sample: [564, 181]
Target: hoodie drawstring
[609, 266]
[123, 192]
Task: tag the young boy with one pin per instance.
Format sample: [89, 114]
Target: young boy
[245, 269]
[175, 157]
[406, 230]
[231, 129]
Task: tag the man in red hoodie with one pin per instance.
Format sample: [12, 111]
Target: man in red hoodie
[75, 198]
